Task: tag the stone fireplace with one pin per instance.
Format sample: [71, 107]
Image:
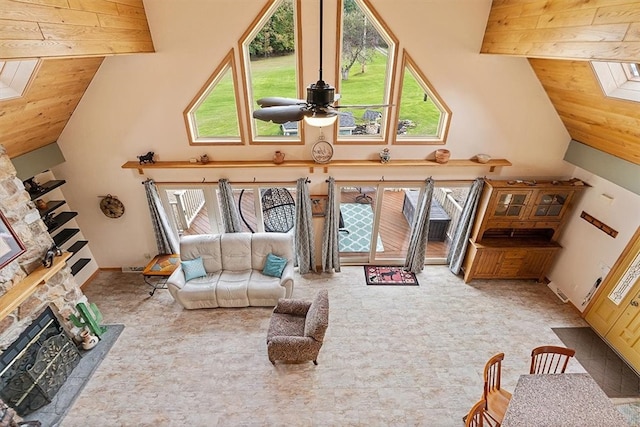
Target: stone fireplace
[59, 292]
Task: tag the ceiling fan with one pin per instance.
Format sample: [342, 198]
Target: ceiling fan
[317, 110]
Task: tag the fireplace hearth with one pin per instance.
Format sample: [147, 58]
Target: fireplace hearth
[36, 365]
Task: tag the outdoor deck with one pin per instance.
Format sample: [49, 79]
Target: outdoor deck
[394, 229]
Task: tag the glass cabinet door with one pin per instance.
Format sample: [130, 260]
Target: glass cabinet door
[550, 204]
[510, 204]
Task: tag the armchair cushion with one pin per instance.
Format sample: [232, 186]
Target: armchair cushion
[193, 268]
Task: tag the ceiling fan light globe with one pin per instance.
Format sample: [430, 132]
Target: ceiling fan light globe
[321, 120]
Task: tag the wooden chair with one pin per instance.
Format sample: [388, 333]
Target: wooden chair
[477, 416]
[549, 359]
[495, 397]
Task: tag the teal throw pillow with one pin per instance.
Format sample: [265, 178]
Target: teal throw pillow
[193, 268]
[274, 266]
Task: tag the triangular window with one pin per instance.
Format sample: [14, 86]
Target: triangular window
[367, 58]
[422, 116]
[212, 117]
[269, 52]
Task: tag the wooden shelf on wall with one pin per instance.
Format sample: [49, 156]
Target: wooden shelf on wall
[492, 164]
[27, 286]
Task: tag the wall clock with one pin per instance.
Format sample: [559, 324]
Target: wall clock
[322, 151]
[111, 206]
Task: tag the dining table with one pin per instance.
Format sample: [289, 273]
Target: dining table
[567, 400]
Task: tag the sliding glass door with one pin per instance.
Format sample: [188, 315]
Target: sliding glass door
[376, 220]
[195, 208]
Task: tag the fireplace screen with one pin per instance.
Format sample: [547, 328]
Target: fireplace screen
[35, 366]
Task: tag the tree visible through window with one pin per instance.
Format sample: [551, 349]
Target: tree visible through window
[367, 75]
[270, 58]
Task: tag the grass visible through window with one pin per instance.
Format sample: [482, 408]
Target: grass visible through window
[217, 117]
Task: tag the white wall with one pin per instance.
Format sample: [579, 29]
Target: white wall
[135, 104]
[589, 253]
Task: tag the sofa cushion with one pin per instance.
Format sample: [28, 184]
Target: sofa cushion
[264, 290]
[200, 292]
[274, 266]
[263, 244]
[236, 251]
[231, 290]
[205, 246]
[193, 268]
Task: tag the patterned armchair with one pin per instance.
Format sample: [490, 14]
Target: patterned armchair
[297, 329]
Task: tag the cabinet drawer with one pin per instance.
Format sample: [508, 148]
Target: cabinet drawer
[517, 254]
[521, 224]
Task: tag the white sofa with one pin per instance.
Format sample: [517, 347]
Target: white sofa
[233, 263]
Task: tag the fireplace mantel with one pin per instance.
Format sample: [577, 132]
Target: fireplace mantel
[23, 290]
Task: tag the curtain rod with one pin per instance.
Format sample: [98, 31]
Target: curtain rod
[236, 183]
[417, 182]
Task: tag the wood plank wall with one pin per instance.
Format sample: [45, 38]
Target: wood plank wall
[38, 118]
[566, 29]
[53, 28]
[607, 124]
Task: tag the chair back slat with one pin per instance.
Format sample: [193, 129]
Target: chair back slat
[550, 359]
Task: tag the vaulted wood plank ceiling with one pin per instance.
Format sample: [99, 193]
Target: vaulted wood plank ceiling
[566, 34]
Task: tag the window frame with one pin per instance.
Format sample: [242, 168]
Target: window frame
[227, 64]
[245, 74]
[445, 118]
[390, 78]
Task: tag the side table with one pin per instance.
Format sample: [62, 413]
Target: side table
[159, 269]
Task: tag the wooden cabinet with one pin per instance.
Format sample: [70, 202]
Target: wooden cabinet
[516, 228]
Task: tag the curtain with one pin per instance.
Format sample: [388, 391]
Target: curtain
[305, 245]
[330, 249]
[228, 208]
[420, 230]
[463, 229]
[166, 239]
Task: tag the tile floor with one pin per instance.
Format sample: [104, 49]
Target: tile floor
[611, 373]
[392, 356]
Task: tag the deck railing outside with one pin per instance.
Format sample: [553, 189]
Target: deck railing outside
[185, 205]
[450, 206]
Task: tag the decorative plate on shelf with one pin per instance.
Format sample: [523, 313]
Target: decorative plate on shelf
[322, 152]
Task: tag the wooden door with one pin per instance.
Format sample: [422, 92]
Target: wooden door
[536, 262]
[624, 336]
[602, 312]
[488, 262]
[614, 312]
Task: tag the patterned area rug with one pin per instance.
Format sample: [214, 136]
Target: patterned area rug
[396, 276]
[356, 234]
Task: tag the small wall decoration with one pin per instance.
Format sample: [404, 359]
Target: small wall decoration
[146, 158]
[318, 205]
[10, 246]
[599, 224]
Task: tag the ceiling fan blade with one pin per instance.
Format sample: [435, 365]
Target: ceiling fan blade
[277, 101]
[363, 106]
[280, 114]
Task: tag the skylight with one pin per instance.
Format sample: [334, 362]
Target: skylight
[619, 79]
[14, 77]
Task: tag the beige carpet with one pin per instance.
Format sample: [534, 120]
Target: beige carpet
[392, 356]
